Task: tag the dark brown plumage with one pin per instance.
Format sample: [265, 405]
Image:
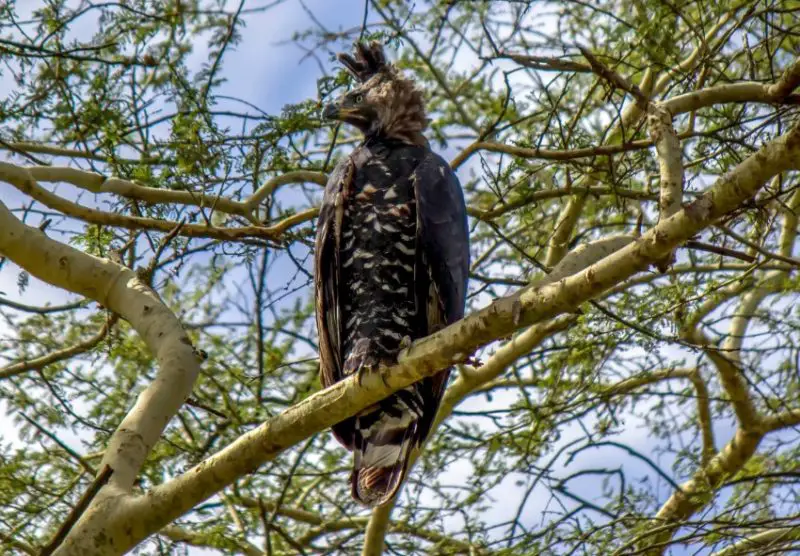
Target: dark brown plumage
[391, 265]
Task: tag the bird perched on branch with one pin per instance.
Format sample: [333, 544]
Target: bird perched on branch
[391, 265]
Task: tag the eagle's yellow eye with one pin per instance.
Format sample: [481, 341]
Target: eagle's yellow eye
[359, 99]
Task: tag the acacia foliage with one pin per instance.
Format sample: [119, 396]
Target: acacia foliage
[582, 438]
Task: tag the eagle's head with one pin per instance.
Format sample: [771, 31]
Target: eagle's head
[384, 103]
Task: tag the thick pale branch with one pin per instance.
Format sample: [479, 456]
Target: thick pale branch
[699, 491]
[779, 92]
[568, 218]
[726, 94]
[668, 148]
[120, 290]
[786, 419]
[773, 541]
[788, 82]
[486, 375]
[757, 169]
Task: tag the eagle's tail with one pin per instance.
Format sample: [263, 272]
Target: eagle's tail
[384, 437]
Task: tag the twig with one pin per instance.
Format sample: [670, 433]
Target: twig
[146, 274]
[38, 363]
[98, 483]
[725, 252]
[546, 63]
[728, 232]
[200, 405]
[614, 78]
[331, 148]
[364, 21]
[75, 455]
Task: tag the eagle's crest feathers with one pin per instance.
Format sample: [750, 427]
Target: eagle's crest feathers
[390, 105]
[366, 61]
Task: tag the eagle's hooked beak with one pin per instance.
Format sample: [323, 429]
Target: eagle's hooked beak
[330, 112]
[346, 110]
[342, 109]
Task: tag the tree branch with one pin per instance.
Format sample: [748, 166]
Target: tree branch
[22, 179]
[59, 355]
[97, 183]
[178, 534]
[98, 483]
[762, 542]
[119, 289]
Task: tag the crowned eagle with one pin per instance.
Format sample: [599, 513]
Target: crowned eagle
[391, 265]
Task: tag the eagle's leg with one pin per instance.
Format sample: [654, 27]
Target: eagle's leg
[384, 364]
[362, 360]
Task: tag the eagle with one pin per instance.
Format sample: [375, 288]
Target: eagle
[391, 265]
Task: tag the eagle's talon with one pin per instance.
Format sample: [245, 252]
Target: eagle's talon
[360, 374]
[382, 371]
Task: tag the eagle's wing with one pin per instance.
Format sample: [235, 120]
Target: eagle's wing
[326, 275]
[443, 242]
[443, 234]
